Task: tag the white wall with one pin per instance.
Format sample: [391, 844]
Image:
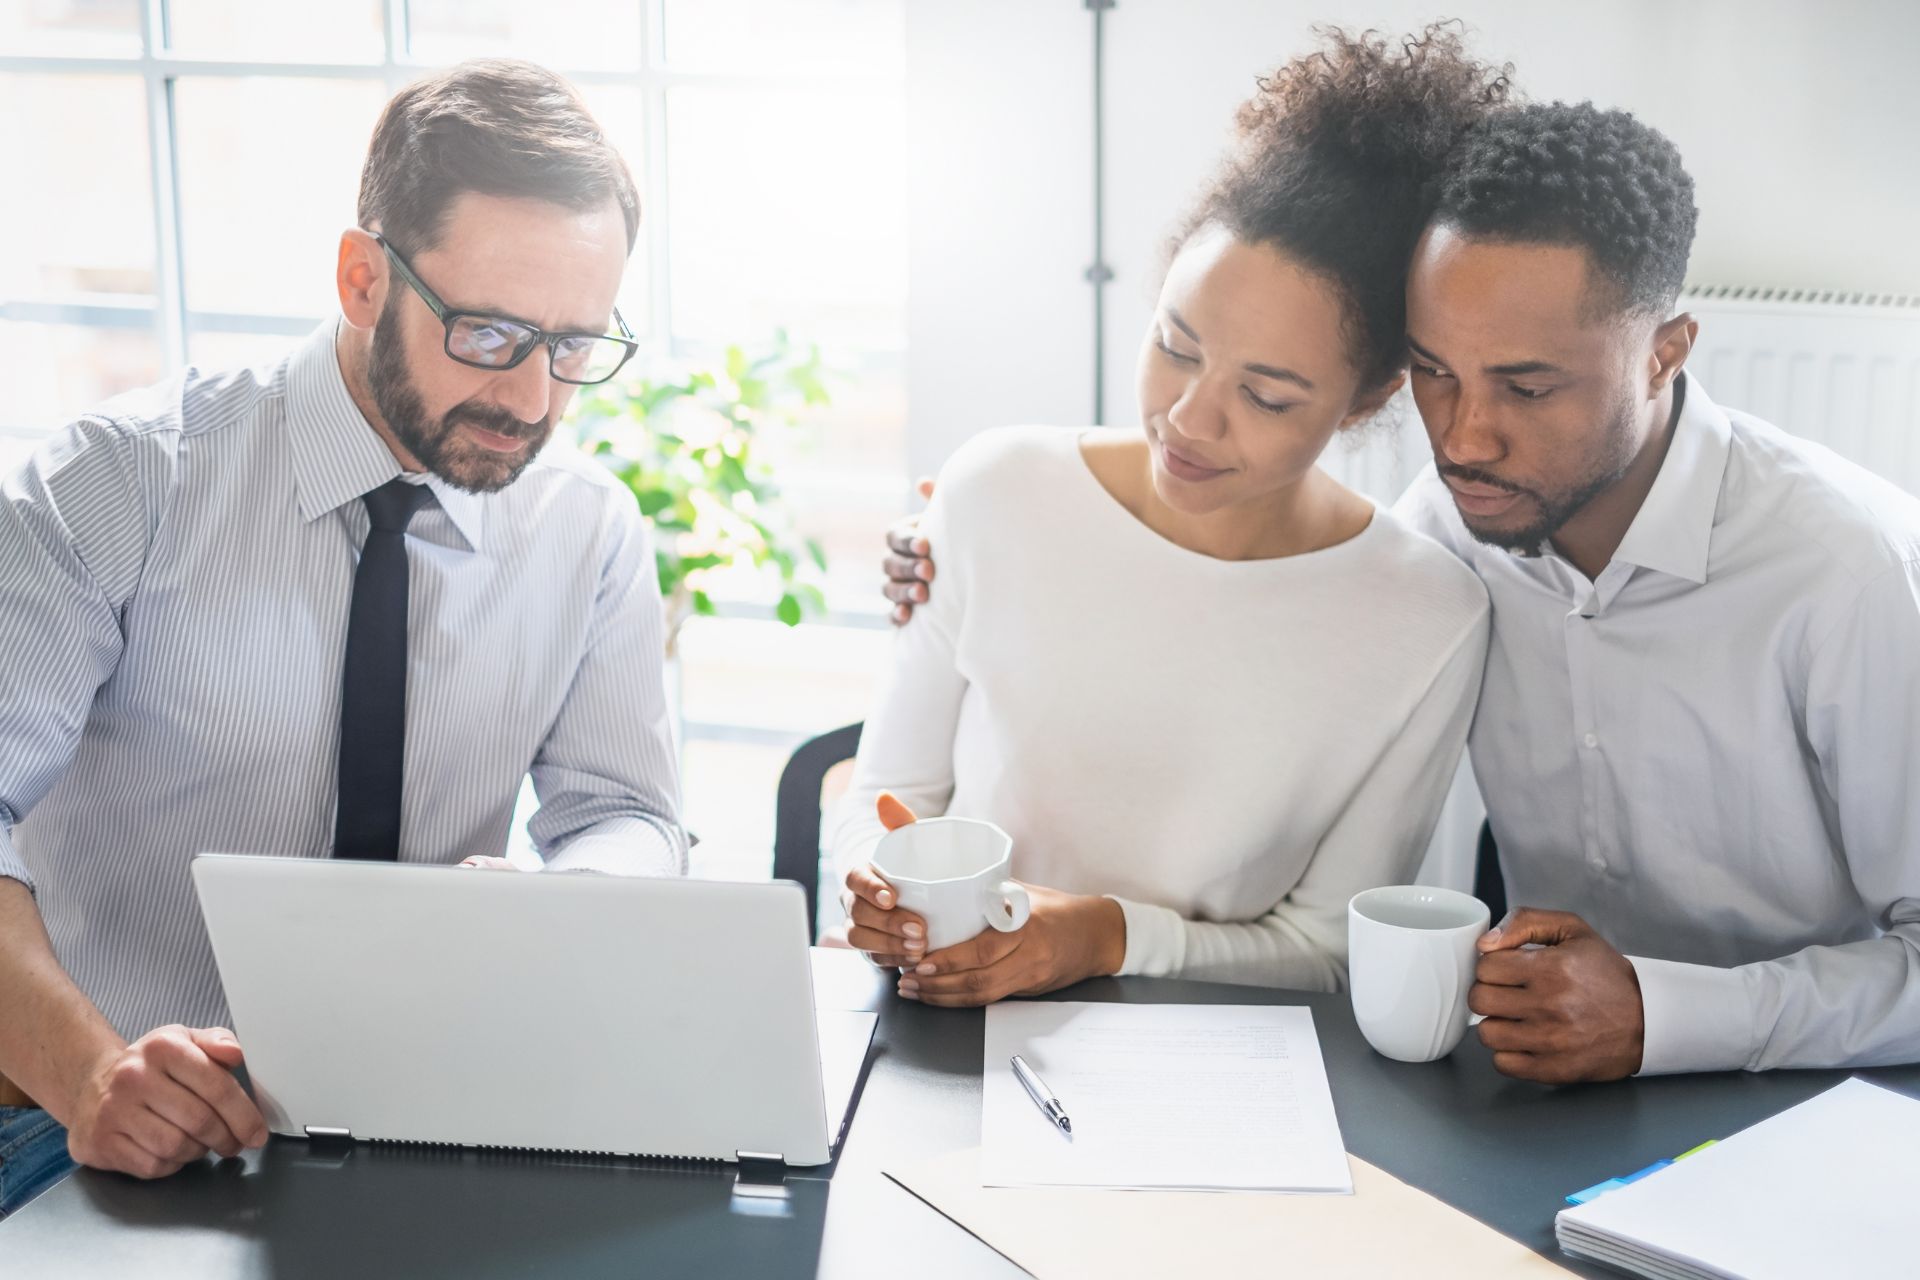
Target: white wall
[1000, 174]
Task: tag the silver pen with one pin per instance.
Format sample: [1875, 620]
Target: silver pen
[1041, 1095]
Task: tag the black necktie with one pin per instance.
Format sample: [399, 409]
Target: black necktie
[373, 695]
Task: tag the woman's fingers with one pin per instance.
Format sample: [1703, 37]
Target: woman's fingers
[907, 930]
[868, 887]
[881, 948]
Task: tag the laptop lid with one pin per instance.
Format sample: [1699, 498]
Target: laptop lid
[407, 1003]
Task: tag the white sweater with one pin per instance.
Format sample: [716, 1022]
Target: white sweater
[1229, 749]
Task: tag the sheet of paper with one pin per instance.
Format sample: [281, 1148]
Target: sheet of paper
[1822, 1189]
[1386, 1228]
[1161, 1096]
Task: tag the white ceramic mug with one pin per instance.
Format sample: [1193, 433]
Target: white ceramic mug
[953, 873]
[1411, 960]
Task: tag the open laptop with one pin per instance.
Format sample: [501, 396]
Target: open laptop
[626, 1016]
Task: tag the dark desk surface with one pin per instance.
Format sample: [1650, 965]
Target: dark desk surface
[1503, 1151]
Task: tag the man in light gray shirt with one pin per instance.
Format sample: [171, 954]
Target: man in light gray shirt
[340, 606]
[1701, 711]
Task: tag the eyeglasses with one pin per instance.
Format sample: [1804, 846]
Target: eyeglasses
[499, 343]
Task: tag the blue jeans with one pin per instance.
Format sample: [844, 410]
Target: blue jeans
[33, 1155]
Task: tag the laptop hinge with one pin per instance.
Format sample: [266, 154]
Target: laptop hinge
[761, 1174]
[321, 1133]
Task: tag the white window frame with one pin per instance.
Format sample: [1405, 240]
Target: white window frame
[169, 316]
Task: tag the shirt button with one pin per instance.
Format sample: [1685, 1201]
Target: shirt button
[1592, 740]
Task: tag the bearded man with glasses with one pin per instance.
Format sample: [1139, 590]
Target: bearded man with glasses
[336, 607]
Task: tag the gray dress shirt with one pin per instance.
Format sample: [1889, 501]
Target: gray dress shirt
[175, 572]
[1709, 751]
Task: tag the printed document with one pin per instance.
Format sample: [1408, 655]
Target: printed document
[1161, 1097]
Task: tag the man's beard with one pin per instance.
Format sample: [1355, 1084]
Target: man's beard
[437, 444]
[1553, 510]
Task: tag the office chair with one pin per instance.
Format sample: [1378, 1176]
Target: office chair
[1489, 885]
[796, 818]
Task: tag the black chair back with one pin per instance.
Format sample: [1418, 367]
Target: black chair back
[1489, 885]
[796, 818]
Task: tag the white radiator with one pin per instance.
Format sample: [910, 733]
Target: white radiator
[1842, 369]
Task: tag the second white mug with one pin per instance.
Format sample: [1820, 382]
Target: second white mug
[1411, 960]
[954, 873]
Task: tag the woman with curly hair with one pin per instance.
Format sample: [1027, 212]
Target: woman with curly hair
[1247, 701]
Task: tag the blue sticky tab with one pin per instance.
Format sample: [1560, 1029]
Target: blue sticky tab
[1614, 1184]
[1655, 1167]
[1595, 1191]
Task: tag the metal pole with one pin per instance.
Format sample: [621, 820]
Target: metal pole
[1098, 273]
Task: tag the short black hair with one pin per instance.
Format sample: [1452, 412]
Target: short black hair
[1572, 174]
[1334, 163]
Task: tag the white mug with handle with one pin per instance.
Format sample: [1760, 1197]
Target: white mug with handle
[1411, 960]
[954, 873]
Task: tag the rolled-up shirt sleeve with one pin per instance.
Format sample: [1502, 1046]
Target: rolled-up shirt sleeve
[1855, 1004]
[74, 530]
[607, 774]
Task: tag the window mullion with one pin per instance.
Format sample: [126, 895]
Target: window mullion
[653, 220]
[397, 19]
[163, 159]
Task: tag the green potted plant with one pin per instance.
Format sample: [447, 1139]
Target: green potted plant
[698, 450]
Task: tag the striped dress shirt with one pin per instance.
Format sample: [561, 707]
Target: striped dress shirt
[175, 571]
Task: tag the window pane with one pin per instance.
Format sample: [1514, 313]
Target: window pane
[622, 116]
[721, 784]
[269, 175]
[804, 679]
[237, 350]
[844, 475]
[278, 30]
[800, 680]
[71, 28]
[788, 208]
[588, 35]
[55, 372]
[91, 225]
[859, 36]
[14, 450]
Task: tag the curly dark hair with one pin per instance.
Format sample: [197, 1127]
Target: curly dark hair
[1572, 174]
[1334, 163]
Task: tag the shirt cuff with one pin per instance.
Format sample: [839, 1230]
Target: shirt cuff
[1156, 940]
[10, 864]
[1698, 1017]
[622, 847]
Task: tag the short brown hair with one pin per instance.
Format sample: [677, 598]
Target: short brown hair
[492, 126]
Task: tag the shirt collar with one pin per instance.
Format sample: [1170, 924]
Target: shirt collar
[337, 456]
[1673, 530]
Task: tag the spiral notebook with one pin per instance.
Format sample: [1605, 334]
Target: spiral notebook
[602, 1014]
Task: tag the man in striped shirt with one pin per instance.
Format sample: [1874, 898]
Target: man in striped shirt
[183, 576]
